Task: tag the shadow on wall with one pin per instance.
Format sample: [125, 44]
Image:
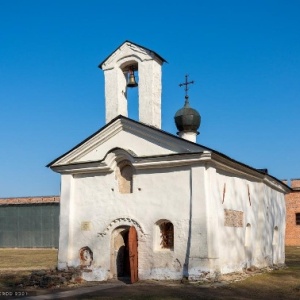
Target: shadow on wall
[185, 271]
[256, 239]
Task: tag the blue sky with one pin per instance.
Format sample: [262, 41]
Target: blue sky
[244, 57]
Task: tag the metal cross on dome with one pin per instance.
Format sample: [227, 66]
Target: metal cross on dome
[186, 83]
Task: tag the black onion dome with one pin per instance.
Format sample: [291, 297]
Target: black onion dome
[187, 118]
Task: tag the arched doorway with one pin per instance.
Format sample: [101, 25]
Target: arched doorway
[124, 256]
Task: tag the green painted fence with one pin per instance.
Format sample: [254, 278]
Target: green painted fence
[29, 226]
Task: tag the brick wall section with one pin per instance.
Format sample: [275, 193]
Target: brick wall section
[292, 200]
[29, 200]
[295, 184]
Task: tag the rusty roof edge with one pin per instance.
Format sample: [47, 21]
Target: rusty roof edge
[29, 200]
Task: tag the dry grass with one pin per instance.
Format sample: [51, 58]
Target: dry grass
[17, 264]
[13, 259]
[278, 284]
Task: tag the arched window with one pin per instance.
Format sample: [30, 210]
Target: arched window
[125, 177]
[164, 235]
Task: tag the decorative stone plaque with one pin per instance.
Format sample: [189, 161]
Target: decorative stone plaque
[233, 218]
[86, 226]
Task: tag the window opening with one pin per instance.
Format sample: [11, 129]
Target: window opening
[297, 218]
[131, 93]
[125, 178]
[167, 235]
[133, 103]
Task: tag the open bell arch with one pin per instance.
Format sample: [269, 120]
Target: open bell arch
[115, 67]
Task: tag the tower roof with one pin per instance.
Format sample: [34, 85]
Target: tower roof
[187, 119]
[131, 43]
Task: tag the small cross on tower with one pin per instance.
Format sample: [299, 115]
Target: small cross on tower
[186, 83]
[187, 119]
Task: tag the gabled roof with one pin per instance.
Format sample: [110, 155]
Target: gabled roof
[164, 138]
[187, 146]
[127, 41]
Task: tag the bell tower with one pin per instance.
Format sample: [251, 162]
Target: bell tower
[119, 69]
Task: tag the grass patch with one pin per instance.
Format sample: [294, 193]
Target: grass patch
[278, 284]
[28, 258]
[16, 264]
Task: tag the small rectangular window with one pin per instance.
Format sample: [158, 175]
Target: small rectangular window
[167, 235]
[297, 218]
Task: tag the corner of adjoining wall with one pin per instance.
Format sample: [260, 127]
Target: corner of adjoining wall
[295, 184]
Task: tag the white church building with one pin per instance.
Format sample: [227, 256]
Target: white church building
[140, 202]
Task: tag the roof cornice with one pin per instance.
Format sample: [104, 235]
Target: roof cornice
[206, 158]
[123, 123]
[235, 167]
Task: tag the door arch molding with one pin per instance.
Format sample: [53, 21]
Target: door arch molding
[122, 221]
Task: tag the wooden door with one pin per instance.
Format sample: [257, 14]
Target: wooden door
[133, 254]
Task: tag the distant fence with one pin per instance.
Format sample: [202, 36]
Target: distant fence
[29, 222]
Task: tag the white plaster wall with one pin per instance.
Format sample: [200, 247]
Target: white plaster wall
[96, 200]
[150, 90]
[115, 94]
[191, 198]
[189, 136]
[266, 211]
[138, 145]
[65, 219]
[201, 259]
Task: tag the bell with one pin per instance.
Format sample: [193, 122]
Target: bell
[131, 80]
